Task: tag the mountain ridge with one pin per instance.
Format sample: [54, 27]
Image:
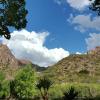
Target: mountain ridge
[9, 64]
[77, 68]
[74, 68]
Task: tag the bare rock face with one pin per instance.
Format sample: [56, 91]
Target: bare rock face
[8, 63]
[23, 62]
[6, 58]
[95, 51]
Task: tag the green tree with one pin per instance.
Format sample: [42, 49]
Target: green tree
[4, 89]
[24, 84]
[43, 86]
[12, 14]
[4, 86]
[95, 6]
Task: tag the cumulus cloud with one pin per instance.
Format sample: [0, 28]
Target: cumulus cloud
[85, 22]
[30, 46]
[78, 4]
[93, 41]
[78, 53]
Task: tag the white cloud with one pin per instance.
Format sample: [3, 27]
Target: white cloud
[85, 22]
[78, 53]
[78, 4]
[93, 41]
[30, 46]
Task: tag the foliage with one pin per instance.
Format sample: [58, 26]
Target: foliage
[23, 87]
[43, 85]
[71, 94]
[4, 86]
[2, 76]
[85, 90]
[24, 84]
[84, 71]
[95, 6]
[12, 14]
[4, 89]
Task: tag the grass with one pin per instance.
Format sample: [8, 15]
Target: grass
[84, 89]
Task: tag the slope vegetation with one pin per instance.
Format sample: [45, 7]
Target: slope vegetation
[83, 68]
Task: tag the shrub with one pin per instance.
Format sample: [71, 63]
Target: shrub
[23, 86]
[71, 94]
[43, 86]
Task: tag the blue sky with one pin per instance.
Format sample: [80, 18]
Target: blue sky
[48, 15]
[55, 29]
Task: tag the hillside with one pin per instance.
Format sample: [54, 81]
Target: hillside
[9, 64]
[77, 68]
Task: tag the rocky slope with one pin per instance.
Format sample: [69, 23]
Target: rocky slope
[77, 68]
[9, 64]
[6, 58]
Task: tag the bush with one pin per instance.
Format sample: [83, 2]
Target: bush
[24, 84]
[4, 86]
[43, 86]
[4, 90]
[84, 71]
[71, 94]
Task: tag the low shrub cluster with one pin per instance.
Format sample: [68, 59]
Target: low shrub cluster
[26, 85]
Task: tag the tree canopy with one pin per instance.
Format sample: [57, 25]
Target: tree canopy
[12, 14]
[23, 86]
[95, 6]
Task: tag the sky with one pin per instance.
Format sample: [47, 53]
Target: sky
[69, 22]
[55, 29]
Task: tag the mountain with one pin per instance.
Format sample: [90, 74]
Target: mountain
[77, 68]
[74, 68]
[36, 67]
[9, 64]
[6, 58]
